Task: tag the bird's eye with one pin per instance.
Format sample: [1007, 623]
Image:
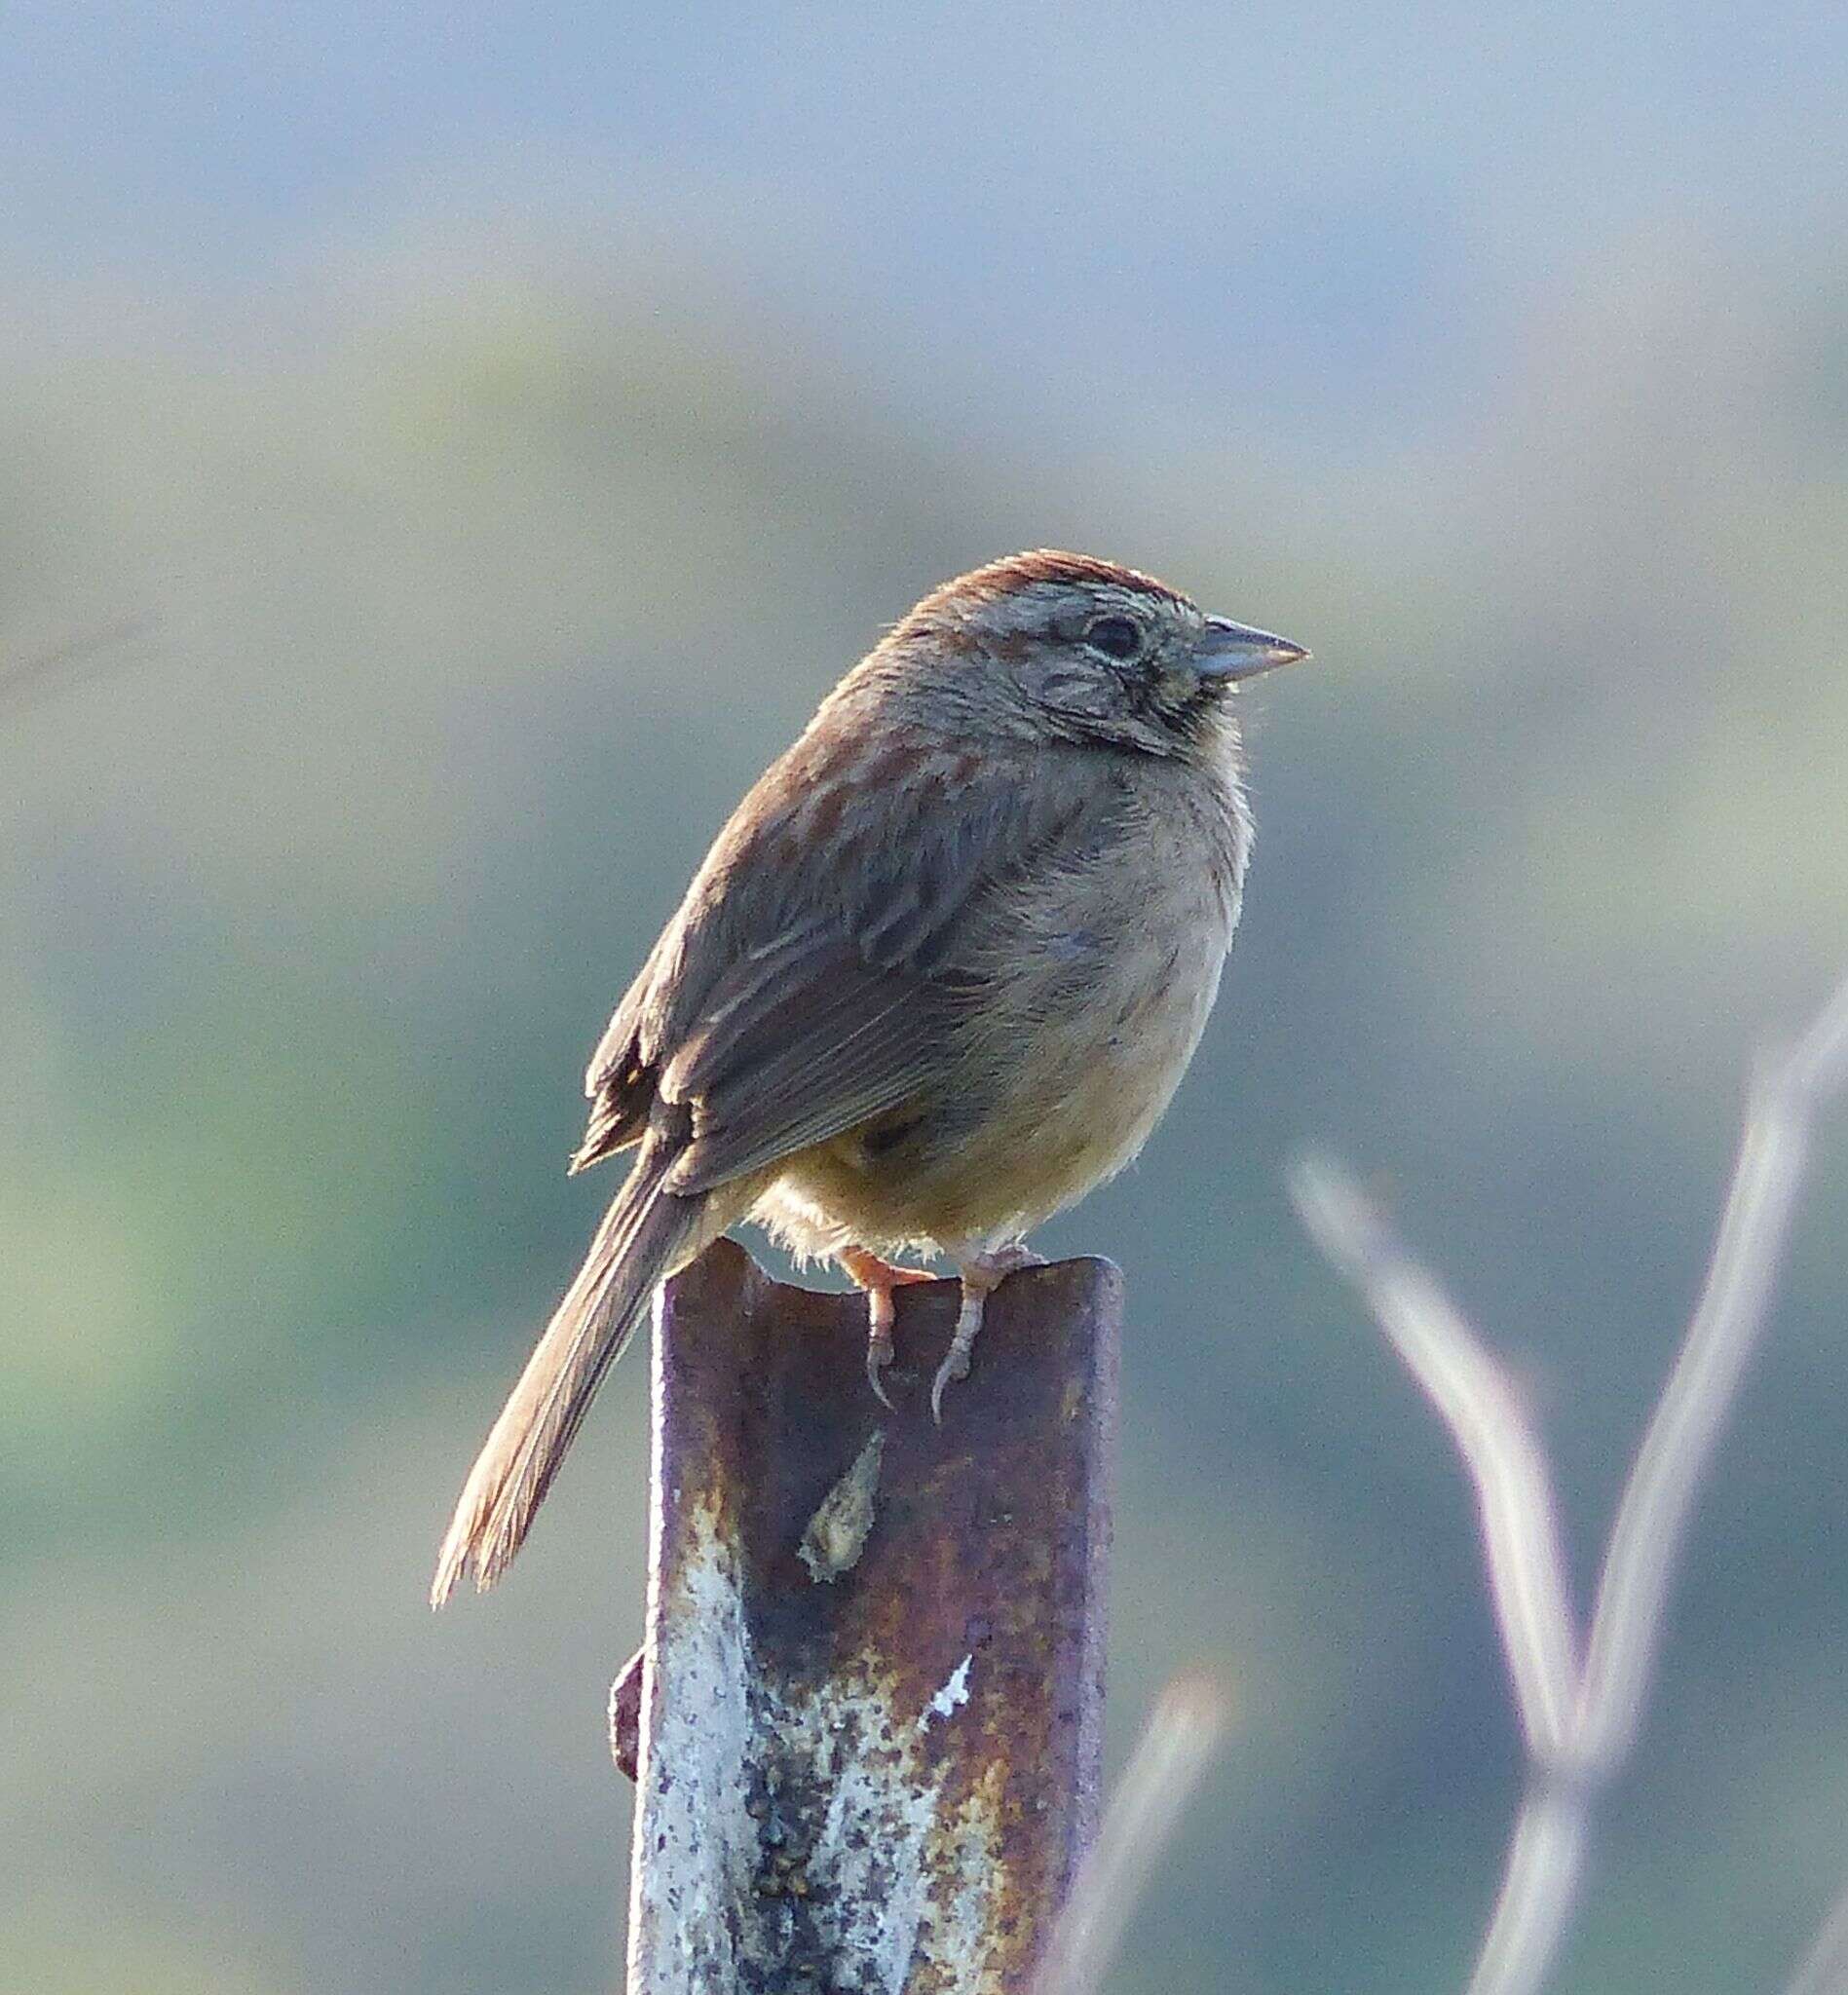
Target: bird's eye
[1117, 638]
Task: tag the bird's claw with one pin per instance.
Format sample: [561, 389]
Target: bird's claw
[878, 1355]
[980, 1276]
[879, 1278]
[955, 1363]
[955, 1366]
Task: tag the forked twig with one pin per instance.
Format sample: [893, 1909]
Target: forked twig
[1581, 1717]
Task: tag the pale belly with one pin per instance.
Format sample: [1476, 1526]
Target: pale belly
[1081, 1042]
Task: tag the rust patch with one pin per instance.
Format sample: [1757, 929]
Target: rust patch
[882, 1784]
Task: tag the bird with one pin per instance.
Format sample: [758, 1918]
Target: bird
[938, 976]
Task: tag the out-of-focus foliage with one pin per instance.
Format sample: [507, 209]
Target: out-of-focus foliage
[478, 593]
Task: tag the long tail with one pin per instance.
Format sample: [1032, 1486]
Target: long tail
[646, 1235]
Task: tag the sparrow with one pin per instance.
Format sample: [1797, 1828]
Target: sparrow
[938, 976]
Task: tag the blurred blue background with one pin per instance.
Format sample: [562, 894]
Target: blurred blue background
[503, 425]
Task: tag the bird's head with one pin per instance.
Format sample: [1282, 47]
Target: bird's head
[1088, 651]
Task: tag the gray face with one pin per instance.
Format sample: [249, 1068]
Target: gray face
[1121, 661]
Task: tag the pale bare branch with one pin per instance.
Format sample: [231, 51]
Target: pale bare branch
[1825, 1967]
[1171, 1759]
[1582, 1722]
[1652, 1516]
[1539, 1888]
[1513, 1489]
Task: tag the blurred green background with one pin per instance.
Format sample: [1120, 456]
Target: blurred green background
[505, 425]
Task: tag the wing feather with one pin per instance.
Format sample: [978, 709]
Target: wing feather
[808, 984]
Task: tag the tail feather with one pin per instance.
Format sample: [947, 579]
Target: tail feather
[647, 1233]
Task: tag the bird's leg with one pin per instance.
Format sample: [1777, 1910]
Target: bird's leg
[981, 1275]
[879, 1278]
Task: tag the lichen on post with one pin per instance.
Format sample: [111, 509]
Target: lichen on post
[871, 1696]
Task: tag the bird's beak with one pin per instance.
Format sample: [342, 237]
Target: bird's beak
[1232, 651]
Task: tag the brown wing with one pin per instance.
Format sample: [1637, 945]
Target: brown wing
[835, 1042]
[811, 977]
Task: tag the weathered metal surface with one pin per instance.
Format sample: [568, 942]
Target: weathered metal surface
[877, 1780]
[625, 1718]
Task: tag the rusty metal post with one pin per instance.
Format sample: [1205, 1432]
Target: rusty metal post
[870, 1702]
